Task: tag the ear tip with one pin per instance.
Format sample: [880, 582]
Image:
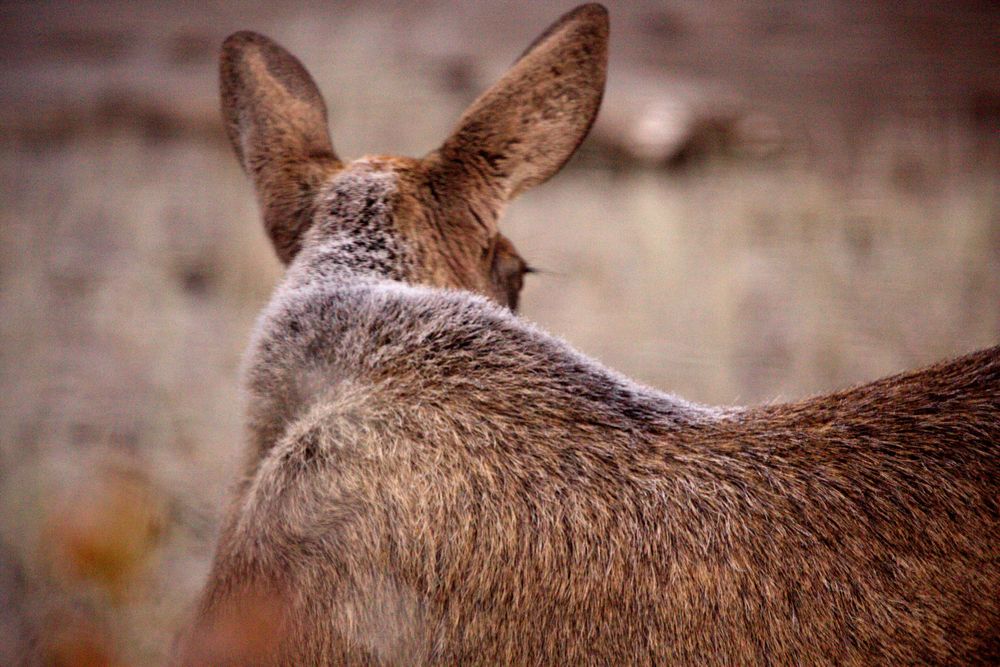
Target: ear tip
[588, 23]
[594, 12]
[239, 39]
[234, 45]
[594, 9]
[591, 25]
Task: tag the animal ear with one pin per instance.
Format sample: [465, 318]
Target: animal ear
[523, 130]
[276, 121]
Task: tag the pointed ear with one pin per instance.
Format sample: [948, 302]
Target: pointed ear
[524, 129]
[276, 122]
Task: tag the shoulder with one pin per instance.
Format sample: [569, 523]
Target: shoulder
[429, 348]
[383, 320]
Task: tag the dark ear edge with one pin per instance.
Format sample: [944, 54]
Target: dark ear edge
[523, 129]
[592, 10]
[261, 83]
[598, 14]
[276, 121]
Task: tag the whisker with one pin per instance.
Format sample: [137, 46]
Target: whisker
[542, 271]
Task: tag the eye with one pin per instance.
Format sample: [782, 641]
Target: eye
[507, 271]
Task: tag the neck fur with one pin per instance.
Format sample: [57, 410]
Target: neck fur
[353, 237]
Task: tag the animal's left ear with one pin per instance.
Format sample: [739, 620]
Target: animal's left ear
[523, 129]
[276, 121]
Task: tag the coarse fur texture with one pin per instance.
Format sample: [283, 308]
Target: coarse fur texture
[433, 480]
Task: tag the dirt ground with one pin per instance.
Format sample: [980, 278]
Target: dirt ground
[779, 199]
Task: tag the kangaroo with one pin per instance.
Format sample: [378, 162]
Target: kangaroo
[434, 480]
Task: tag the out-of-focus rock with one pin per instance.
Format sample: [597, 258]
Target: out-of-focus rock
[659, 121]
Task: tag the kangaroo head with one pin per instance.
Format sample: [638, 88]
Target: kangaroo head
[432, 220]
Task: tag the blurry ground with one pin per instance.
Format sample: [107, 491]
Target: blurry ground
[779, 200]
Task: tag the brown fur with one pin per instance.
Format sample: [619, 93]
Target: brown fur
[433, 480]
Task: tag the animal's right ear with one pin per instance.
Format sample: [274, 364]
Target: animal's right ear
[523, 129]
[276, 121]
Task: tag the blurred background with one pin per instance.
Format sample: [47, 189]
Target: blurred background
[779, 199]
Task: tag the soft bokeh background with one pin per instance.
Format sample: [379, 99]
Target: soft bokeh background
[779, 199]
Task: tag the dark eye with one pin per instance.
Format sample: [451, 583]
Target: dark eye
[507, 277]
[507, 271]
[512, 285]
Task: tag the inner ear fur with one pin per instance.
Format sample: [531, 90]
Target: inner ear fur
[276, 121]
[523, 129]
